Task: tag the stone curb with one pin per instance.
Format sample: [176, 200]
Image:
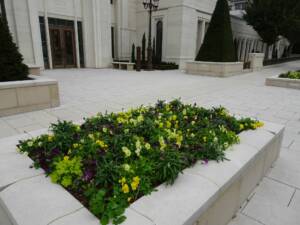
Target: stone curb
[198, 195]
[283, 82]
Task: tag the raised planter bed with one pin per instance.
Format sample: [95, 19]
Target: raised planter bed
[215, 69]
[29, 95]
[204, 194]
[283, 82]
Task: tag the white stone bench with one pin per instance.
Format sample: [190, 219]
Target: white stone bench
[123, 65]
[204, 194]
[34, 69]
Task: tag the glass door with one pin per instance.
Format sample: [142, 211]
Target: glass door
[69, 50]
[63, 47]
[57, 48]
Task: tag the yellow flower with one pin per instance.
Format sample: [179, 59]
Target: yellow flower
[135, 183]
[129, 199]
[50, 138]
[204, 139]
[126, 167]
[147, 146]
[242, 126]
[104, 129]
[193, 122]
[126, 151]
[66, 158]
[91, 136]
[140, 118]
[75, 145]
[101, 144]
[125, 188]
[122, 180]
[161, 125]
[138, 148]
[174, 117]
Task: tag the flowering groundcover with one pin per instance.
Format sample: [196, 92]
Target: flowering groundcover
[112, 160]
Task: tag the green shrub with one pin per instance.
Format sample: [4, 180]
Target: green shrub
[11, 66]
[111, 160]
[218, 45]
[133, 53]
[291, 75]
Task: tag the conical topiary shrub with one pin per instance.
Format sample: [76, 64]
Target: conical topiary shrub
[218, 43]
[11, 61]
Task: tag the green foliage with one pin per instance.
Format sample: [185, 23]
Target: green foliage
[133, 53]
[264, 17]
[291, 75]
[144, 48]
[11, 66]
[111, 160]
[218, 43]
[66, 170]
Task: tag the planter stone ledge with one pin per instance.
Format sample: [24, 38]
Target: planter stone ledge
[215, 69]
[28, 95]
[283, 82]
[200, 193]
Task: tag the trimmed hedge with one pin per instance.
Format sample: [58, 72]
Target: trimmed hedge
[112, 160]
[11, 61]
[218, 45]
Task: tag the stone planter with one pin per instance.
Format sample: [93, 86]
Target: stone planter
[204, 195]
[216, 69]
[34, 70]
[29, 95]
[283, 82]
[256, 61]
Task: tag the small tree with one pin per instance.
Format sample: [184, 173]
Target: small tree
[218, 43]
[144, 48]
[11, 61]
[133, 53]
[265, 17]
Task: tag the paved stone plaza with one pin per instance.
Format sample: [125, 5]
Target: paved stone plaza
[87, 91]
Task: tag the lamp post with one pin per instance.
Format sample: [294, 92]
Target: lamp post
[150, 5]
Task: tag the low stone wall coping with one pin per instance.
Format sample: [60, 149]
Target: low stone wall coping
[28, 198]
[215, 63]
[283, 82]
[36, 81]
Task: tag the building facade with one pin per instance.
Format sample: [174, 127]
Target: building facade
[81, 33]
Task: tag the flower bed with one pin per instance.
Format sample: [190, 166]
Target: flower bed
[291, 75]
[286, 80]
[112, 160]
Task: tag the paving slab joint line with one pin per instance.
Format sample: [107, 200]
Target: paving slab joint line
[254, 219]
[281, 182]
[247, 202]
[27, 178]
[292, 198]
[68, 214]
[145, 216]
